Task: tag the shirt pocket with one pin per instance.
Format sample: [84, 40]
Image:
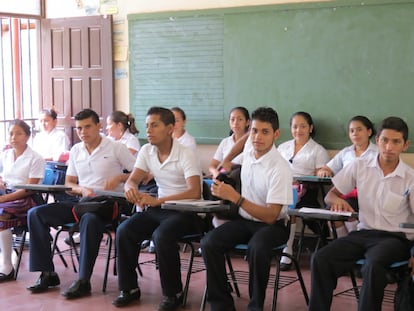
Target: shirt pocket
[393, 204]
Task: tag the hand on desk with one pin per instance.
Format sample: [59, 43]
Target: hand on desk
[340, 205]
[141, 199]
[324, 172]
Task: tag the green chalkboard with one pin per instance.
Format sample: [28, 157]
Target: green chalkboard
[332, 59]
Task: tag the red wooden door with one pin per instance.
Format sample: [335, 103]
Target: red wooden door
[77, 69]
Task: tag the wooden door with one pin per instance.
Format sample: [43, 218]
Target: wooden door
[77, 69]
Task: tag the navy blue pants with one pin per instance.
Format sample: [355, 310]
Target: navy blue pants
[261, 239]
[165, 227]
[42, 217]
[379, 248]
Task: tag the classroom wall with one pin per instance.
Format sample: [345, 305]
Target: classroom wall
[69, 8]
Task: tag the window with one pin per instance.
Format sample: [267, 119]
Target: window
[19, 72]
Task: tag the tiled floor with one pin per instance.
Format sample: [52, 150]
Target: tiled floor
[14, 296]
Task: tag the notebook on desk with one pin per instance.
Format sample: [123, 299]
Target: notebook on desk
[194, 202]
[324, 211]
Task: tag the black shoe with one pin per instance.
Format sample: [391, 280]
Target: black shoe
[126, 297]
[285, 266]
[7, 277]
[67, 241]
[170, 303]
[145, 244]
[78, 289]
[46, 280]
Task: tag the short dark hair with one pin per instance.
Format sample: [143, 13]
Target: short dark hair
[87, 113]
[366, 122]
[394, 123]
[267, 114]
[166, 115]
[308, 119]
[22, 124]
[180, 111]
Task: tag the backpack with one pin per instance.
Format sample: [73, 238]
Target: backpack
[105, 207]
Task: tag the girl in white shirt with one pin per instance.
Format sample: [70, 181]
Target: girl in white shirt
[239, 122]
[50, 142]
[305, 157]
[20, 165]
[183, 137]
[121, 126]
[360, 131]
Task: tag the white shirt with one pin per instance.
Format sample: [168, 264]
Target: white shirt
[347, 155]
[267, 180]
[51, 145]
[309, 158]
[384, 201]
[108, 160]
[170, 175]
[187, 140]
[224, 148]
[129, 140]
[30, 164]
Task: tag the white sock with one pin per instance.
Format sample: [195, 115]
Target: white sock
[341, 231]
[6, 246]
[351, 225]
[289, 244]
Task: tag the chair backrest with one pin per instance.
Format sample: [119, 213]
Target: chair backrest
[55, 173]
[295, 198]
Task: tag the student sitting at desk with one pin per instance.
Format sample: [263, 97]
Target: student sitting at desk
[305, 157]
[50, 142]
[360, 131]
[266, 191]
[180, 133]
[239, 122]
[121, 127]
[21, 165]
[96, 162]
[386, 199]
[178, 175]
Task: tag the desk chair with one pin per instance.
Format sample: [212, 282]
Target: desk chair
[395, 273]
[235, 277]
[189, 241]
[110, 229]
[19, 240]
[71, 229]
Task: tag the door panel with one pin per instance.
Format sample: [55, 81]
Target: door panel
[77, 70]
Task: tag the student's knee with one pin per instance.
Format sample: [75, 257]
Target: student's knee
[35, 213]
[208, 242]
[91, 221]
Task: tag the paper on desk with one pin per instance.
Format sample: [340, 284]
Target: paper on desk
[194, 202]
[323, 211]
